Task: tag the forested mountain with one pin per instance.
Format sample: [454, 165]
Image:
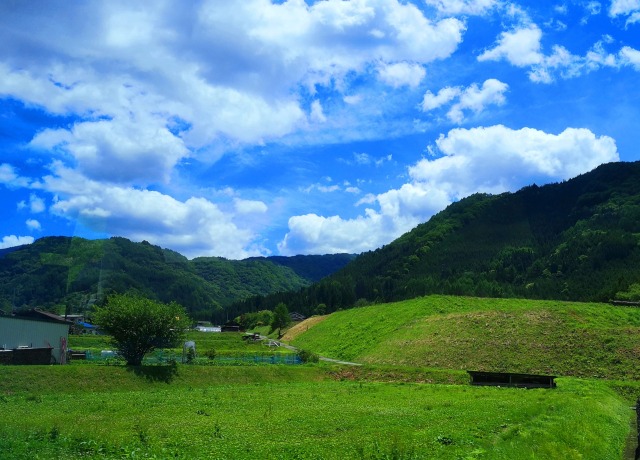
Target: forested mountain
[71, 274]
[575, 240]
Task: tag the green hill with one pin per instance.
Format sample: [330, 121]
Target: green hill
[71, 274]
[575, 240]
[465, 333]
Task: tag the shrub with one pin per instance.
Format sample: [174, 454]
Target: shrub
[308, 356]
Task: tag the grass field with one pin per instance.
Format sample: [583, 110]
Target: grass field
[411, 399]
[296, 412]
[561, 338]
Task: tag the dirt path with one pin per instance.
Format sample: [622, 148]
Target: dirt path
[301, 327]
[322, 358]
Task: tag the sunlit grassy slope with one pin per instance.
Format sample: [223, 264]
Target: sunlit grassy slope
[561, 338]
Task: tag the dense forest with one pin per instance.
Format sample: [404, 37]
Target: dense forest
[575, 240]
[69, 275]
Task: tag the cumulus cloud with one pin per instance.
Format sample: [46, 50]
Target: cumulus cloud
[36, 204]
[229, 71]
[402, 74]
[522, 48]
[194, 227]
[250, 206]
[623, 7]
[11, 241]
[432, 101]
[128, 151]
[630, 56]
[33, 224]
[497, 158]
[492, 159]
[472, 98]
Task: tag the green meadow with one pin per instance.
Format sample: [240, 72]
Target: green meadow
[410, 400]
[296, 412]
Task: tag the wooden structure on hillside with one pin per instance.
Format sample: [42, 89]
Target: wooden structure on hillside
[510, 379]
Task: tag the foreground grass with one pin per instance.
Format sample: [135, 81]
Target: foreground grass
[562, 338]
[299, 412]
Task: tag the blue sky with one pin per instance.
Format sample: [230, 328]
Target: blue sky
[257, 127]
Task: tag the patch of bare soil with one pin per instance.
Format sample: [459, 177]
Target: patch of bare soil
[303, 326]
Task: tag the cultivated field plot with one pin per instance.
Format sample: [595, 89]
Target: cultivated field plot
[297, 412]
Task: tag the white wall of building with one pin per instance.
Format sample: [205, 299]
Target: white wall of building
[17, 332]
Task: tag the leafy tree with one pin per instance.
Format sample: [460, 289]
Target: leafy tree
[139, 325]
[281, 318]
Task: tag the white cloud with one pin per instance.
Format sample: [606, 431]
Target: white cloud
[353, 99]
[364, 159]
[36, 204]
[630, 56]
[10, 177]
[492, 159]
[317, 114]
[143, 151]
[593, 8]
[472, 98]
[11, 241]
[459, 7]
[33, 224]
[401, 74]
[194, 227]
[497, 158]
[228, 71]
[633, 18]
[521, 47]
[623, 7]
[250, 206]
[432, 101]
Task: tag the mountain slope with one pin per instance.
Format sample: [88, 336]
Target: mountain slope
[71, 274]
[576, 240]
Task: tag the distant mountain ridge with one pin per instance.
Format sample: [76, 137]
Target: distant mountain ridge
[71, 274]
[575, 240]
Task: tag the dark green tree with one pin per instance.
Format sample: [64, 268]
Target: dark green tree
[139, 325]
[281, 318]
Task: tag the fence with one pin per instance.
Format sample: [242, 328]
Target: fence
[168, 356]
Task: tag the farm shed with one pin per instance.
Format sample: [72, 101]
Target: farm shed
[33, 337]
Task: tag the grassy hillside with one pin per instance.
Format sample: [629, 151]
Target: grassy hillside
[551, 337]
